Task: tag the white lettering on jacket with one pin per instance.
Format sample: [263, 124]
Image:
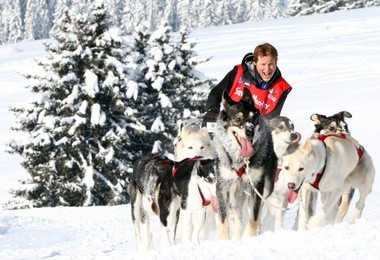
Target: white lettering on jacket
[238, 92]
[260, 103]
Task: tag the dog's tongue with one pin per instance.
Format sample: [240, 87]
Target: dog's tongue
[213, 204]
[246, 148]
[292, 195]
[298, 139]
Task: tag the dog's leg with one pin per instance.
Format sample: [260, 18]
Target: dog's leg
[186, 227]
[364, 190]
[237, 198]
[318, 219]
[280, 214]
[344, 204]
[255, 204]
[303, 208]
[143, 234]
[134, 214]
[209, 224]
[223, 202]
[365, 177]
[198, 222]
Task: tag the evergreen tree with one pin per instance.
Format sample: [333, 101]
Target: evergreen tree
[170, 88]
[38, 21]
[76, 149]
[10, 22]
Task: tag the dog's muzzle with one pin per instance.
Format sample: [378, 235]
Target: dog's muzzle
[249, 130]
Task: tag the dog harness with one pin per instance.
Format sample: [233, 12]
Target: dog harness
[360, 151]
[185, 161]
[265, 99]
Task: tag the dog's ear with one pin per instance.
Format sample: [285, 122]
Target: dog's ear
[343, 114]
[307, 146]
[247, 96]
[317, 118]
[226, 100]
[204, 131]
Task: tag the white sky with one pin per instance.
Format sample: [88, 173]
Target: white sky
[333, 63]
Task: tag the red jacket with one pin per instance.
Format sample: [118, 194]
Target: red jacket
[266, 100]
[269, 101]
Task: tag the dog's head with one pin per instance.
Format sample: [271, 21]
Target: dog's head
[194, 143]
[300, 165]
[331, 124]
[240, 120]
[285, 139]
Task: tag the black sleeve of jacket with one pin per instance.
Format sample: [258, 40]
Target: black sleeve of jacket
[280, 104]
[216, 93]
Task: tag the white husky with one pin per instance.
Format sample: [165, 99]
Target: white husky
[327, 164]
[194, 141]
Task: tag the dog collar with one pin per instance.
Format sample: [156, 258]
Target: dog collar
[240, 171]
[204, 201]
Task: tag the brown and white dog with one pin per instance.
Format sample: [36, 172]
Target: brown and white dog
[336, 124]
[329, 164]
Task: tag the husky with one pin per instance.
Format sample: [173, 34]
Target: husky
[168, 189]
[285, 141]
[327, 163]
[246, 166]
[194, 141]
[331, 124]
[336, 124]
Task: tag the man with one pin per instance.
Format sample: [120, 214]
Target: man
[259, 73]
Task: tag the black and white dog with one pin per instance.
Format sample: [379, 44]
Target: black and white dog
[285, 141]
[331, 124]
[246, 166]
[167, 188]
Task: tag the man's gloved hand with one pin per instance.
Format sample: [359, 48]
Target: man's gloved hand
[209, 120]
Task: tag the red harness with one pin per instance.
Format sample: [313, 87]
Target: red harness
[175, 170]
[322, 138]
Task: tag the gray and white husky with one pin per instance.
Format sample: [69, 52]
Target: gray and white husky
[285, 141]
[246, 166]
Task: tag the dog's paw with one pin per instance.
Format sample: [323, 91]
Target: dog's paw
[317, 220]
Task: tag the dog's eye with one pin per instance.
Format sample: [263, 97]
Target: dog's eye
[332, 129]
[238, 120]
[286, 167]
[190, 148]
[209, 179]
[300, 169]
[202, 147]
[281, 127]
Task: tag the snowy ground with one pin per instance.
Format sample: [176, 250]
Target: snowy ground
[333, 63]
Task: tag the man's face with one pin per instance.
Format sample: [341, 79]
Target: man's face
[266, 66]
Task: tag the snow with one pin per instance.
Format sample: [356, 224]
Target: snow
[333, 63]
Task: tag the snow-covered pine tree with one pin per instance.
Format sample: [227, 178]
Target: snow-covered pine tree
[77, 136]
[170, 87]
[191, 87]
